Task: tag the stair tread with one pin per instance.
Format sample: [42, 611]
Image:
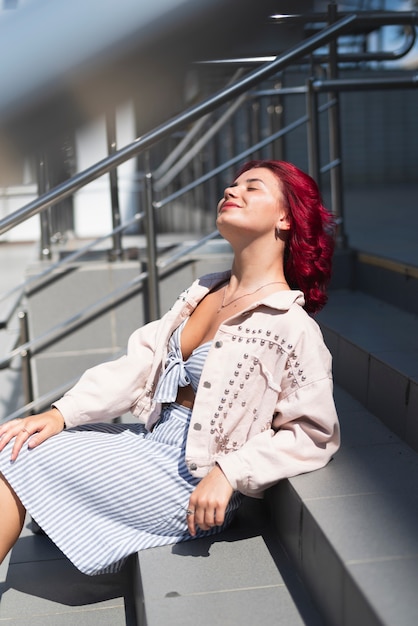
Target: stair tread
[358, 518]
[381, 329]
[238, 584]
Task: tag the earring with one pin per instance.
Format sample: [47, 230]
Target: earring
[277, 232]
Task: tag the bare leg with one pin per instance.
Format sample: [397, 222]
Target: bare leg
[12, 514]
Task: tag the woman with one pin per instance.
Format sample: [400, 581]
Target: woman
[233, 386]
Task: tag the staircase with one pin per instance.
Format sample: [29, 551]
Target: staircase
[337, 547]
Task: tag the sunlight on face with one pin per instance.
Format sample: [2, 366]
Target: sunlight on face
[253, 202]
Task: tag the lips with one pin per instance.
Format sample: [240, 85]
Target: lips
[228, 205]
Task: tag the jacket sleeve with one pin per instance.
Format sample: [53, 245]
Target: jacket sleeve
[304, 438]
[110, 389]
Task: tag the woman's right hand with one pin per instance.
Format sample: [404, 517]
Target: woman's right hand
[34, 430]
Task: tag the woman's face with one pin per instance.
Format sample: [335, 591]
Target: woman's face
[253, 203]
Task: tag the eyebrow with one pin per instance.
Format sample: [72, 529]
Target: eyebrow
[250, 180]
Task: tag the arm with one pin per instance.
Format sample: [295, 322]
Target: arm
[112, 388]
[103, 392]
[304, 436]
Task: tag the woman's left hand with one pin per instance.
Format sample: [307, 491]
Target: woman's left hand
[32, 430]
[208, 502]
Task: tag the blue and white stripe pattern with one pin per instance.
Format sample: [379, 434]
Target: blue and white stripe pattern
[103, 491]
[179, 373]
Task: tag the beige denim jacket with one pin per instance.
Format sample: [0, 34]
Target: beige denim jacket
[264, 408]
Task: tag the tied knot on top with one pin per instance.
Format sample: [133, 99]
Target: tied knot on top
[174, 376]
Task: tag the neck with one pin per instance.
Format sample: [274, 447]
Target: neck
[257, 258]
[249, 271]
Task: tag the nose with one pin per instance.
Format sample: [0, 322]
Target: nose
[230, 192]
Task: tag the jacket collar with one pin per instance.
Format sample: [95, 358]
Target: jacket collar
[280, 300]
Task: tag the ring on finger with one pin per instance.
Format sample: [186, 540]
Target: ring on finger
[189, 512]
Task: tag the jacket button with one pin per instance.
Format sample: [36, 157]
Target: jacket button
[218, 344]
[207, 384]
[197, 426]
[193, 467]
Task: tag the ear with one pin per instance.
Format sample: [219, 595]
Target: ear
[283, 223]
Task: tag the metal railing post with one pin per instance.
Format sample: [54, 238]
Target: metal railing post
[153, 294]
[42, 178]
[335, 138]
[116, 252]
[313, 131]
[25, 358]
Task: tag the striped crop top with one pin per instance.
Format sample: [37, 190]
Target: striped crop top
[179, 373]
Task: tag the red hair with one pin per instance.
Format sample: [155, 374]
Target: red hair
[310, 244]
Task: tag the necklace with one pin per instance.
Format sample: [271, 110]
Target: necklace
[250, 293]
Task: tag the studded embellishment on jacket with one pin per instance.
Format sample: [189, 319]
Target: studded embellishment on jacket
[264, 407]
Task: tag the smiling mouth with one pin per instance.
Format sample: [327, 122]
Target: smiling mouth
[227, 205]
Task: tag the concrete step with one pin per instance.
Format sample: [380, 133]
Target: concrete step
[375, 353]
[40, 587]
[350, 528]
[228, 579]
[388, 280]
[335, 546]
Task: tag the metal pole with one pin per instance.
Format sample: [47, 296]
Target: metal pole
[117, 252]
[312, 130]
[153, 292]
[335, 138]
[25, 359]
[42, 176]
[366, 84]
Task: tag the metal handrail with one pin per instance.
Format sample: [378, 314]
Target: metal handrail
[199, 144]
[164, 167]
[46, 399]
[391, 55]
[39, 280]
[88, 313]
[81, 179]
[236, 159]
[93, 310]
[369, 84]
[318, 85]
[130, 287]
[364, 20]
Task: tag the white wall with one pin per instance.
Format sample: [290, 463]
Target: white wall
[92, 206]
[92, 209]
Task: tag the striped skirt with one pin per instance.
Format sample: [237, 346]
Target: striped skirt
[104, 491]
